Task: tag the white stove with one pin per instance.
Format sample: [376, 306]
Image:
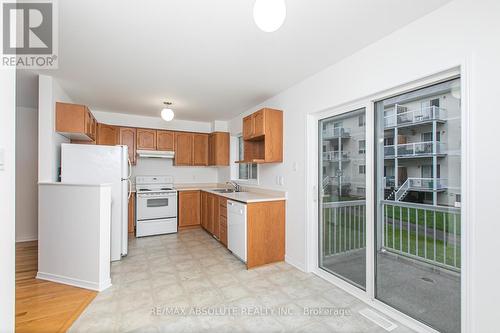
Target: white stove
[156, 212]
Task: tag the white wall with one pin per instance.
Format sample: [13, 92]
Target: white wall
[123, 119]
[26, 174]
[7, 195]
[462, 31]
[159, 166]
[149, 166]
[49, 142]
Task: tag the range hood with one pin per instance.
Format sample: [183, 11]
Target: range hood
[155, 153]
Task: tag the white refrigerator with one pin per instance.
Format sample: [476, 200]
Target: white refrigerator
[92, 164]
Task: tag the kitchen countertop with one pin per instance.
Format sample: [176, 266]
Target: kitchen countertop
[248, 195]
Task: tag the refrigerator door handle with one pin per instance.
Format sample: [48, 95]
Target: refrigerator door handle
[129, 188]
[129, 168]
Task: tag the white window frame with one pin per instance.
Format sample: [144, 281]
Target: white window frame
[368, 296]
[235, 169]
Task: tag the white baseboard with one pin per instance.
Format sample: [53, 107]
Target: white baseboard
[296, 264]
[26, 239]
[74, 282]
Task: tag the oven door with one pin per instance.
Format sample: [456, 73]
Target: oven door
[156, 206]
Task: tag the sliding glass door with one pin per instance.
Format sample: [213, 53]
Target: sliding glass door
[342, 205]
[418, 190]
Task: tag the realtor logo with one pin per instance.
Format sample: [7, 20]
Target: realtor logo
[29, 37]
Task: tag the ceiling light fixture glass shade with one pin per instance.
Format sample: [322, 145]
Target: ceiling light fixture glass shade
[167, 113]
[269, 15]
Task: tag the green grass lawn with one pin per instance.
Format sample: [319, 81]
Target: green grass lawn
[425, 246]
[425, 218]
[348, 233]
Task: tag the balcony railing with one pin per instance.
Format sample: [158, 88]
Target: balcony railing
[416, 149]
[343, 226]
[336, 132]
[427, 184]
[423, 232]
[389, 181]
[336, 156]
[412, 117]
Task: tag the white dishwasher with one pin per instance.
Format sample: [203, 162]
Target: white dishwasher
[237, 229]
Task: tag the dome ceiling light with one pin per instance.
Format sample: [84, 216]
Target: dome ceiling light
[269, 15]
[167, 113]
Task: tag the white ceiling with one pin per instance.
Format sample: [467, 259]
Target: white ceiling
[208, 57]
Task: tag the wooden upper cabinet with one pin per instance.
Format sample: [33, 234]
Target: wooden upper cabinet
[146, 139]
[75, 122]
[218, 147]
[165, 140]
[247, 127]
[263, 142]
[107, 135]
[127, 137]
[189, 208]
[200, 149]
[183, 148]
[258, 124]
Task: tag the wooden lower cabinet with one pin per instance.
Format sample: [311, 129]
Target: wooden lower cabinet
[223, 230]
[204, 212]
[265, 233]
[189, 208]
[131, 214]
[210, 213]
[265, 227]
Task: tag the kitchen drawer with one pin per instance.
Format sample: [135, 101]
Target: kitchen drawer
[223, 211]
[223, 234]
[156, 227]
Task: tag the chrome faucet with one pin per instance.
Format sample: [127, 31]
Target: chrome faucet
[236, 186]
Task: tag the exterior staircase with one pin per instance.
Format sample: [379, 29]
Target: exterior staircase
[402, 191]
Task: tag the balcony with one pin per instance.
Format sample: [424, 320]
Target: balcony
[336, 156]
[415, 150]
[414, 117]
[336, 133]
[413, 241]
[389, 182]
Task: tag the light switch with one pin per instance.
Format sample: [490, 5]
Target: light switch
[2, 159]
[282, 180]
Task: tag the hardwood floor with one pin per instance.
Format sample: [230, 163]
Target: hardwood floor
[43, 306]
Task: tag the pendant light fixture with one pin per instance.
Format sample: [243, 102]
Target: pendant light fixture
[167, 113]
[269, 15]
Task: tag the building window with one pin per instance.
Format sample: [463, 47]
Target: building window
[361, 190]
[426, 171]
[246, 171]
[427, 136]
[362, 146]
[362, 169]
[361, 120]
